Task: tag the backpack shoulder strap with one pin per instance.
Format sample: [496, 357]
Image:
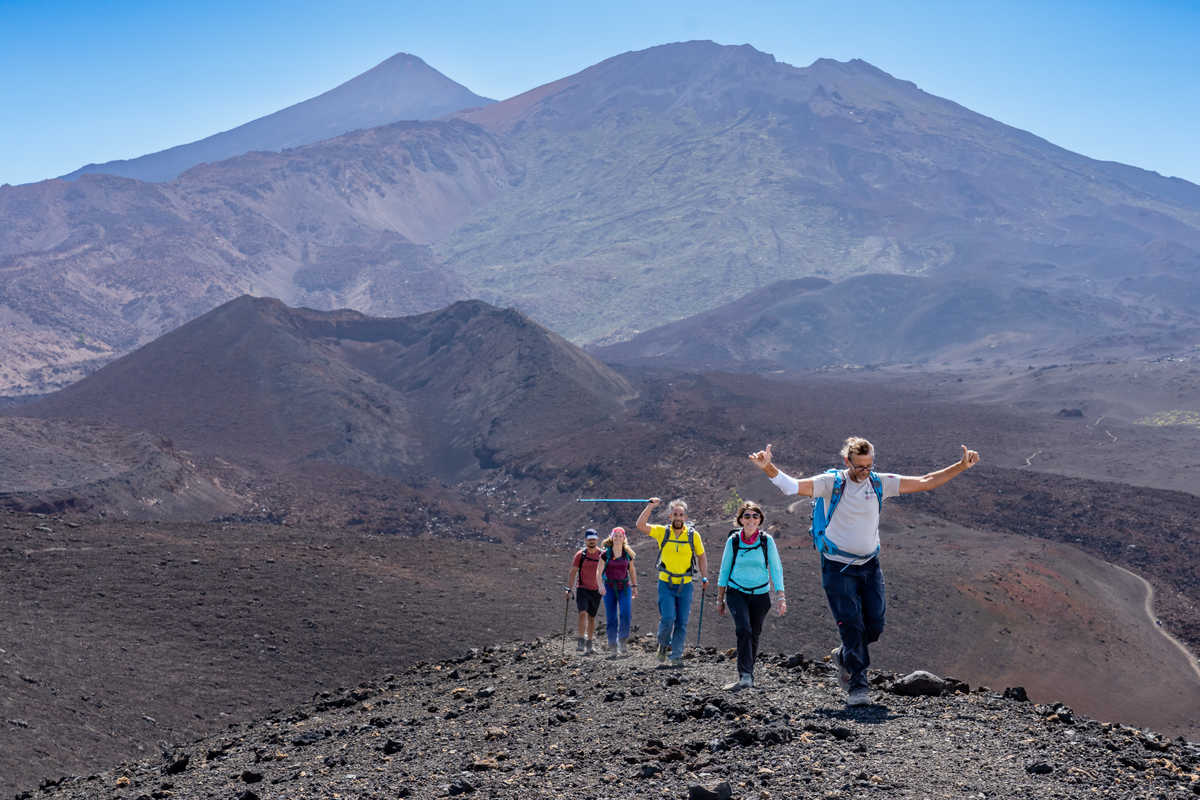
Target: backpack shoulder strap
[839, 488]
[733, 540]
[877, 485]
[662, 544]
[691, 534]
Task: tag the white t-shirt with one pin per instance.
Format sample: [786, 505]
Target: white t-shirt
[855, 525]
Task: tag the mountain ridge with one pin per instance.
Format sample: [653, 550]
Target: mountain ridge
[90, 269]
[839, 172]
[800, 324]
[402, 87]
[693, 171]
[438, 394]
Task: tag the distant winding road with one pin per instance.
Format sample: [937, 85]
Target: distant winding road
[1153, 621]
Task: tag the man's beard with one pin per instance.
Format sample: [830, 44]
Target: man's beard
[676, 524]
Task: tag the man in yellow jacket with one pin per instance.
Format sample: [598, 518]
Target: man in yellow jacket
[680, 558]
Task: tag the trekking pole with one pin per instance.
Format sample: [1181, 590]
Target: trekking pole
[700, 627]
[566, 613]
[613, 500]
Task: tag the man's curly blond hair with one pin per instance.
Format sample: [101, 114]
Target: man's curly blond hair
[857, 446]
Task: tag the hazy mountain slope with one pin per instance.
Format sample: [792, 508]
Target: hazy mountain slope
[443, 394]
[643, 190]
[877, 319]
[664, 182]
[401, 88]
[95, 267]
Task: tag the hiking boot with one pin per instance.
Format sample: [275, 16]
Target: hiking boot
[622, 648]
[662, 654]
[676, 662]
[859, 697]
[843, 674]
[579, 644]
[587, 651]
[746, 680]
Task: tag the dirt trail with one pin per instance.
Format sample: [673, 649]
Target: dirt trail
[1195, 664]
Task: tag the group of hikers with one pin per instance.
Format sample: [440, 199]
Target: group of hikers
[848, 543]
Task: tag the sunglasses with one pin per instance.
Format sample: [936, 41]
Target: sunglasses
[750, 515]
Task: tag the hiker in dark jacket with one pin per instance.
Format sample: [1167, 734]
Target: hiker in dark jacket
[850, 572]
[750, 567]
[620, 587]
[584, 578]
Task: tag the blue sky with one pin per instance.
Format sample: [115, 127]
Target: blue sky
[90, 82]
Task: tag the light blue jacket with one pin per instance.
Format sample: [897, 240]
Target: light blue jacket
[750, 574]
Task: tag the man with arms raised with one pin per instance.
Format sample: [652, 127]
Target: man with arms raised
[849, 545]
[680, 553]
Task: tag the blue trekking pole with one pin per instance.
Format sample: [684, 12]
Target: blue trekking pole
[613, 500]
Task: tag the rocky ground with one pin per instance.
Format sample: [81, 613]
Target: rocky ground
[117, 636]
[521, 720]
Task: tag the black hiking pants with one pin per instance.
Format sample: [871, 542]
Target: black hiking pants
[748, 612]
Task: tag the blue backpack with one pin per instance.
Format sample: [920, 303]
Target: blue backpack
[820, 520]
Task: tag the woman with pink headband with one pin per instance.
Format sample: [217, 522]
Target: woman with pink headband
[620, 584]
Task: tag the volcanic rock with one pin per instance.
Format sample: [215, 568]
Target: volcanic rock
[722, 791]
[920, 683]
[906, 745]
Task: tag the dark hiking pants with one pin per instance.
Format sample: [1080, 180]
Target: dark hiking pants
[748, 612]
[855, 595]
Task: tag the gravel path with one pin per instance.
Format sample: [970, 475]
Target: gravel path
[516, 721]
[1155, 622]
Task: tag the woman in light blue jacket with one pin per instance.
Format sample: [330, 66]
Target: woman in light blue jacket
[750, 567]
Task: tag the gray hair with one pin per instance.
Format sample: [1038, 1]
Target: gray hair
[676, 503]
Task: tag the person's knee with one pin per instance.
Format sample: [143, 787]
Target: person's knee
[852, 629]
[848, 614]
